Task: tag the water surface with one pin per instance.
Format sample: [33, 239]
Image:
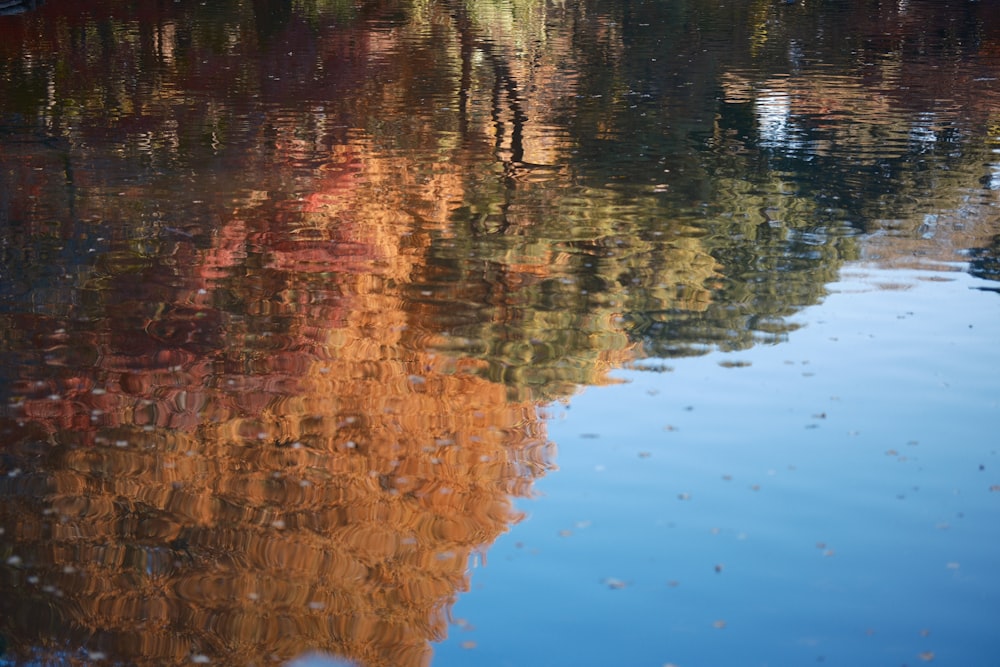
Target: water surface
[494, 332]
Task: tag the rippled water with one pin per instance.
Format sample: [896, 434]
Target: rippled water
[499, 332]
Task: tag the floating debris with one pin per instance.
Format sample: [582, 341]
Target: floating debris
[615, 584]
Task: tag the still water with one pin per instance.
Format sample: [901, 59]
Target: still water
[500, 332]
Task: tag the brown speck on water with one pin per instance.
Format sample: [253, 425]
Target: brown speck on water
[719, 567]
[926, 656]
[719, 624]
[644, 455]
[468, 645]
[925, 632]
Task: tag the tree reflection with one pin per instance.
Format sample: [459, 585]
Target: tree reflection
[284, 283]
[245, 450]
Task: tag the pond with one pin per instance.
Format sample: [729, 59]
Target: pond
[499, 332]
